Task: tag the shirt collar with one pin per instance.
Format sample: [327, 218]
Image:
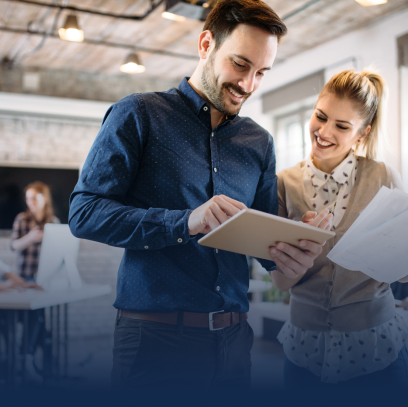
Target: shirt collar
[340, 174]
[194, 100]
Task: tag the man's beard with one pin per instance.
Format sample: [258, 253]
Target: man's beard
[215, 93]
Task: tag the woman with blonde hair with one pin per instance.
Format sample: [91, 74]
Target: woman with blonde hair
[28, 228]
[344, 337]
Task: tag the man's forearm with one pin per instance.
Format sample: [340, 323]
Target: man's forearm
[110, 222]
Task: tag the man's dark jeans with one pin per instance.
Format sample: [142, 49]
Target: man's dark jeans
[160, 361]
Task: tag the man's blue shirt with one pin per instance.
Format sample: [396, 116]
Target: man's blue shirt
[155, 160]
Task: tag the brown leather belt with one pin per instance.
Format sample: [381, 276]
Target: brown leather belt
[212, 321]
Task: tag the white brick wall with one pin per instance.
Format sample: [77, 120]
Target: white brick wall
[45, 141]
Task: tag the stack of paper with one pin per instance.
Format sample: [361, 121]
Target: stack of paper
[377, 242]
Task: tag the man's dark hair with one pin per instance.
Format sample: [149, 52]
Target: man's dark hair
[227, 14]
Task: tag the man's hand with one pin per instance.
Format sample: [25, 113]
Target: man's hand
[323, 220]
[212, 214]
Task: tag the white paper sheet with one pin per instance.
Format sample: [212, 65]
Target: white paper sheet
[377, 242]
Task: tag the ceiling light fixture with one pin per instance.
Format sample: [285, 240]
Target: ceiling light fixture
[367, 3]
[132, 64]
[71, 31]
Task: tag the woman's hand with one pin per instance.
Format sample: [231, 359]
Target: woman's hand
[15, 281]
[323, 220]
[35, 235]
[293, 263]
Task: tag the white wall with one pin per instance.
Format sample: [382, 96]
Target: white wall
[375, 44]
[404, 125]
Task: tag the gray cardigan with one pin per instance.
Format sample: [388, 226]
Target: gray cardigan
[329, 296]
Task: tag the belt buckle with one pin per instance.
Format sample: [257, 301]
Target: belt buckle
[211, 321]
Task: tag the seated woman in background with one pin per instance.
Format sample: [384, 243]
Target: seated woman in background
[28, 227]
[344, 337]
[26, 238]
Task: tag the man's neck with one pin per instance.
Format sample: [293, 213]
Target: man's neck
[217, 117]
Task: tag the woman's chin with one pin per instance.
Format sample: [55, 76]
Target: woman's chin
[320, 154]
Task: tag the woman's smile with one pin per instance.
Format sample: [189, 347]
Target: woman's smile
[322, 143]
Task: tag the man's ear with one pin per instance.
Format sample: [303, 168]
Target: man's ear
[206, 44]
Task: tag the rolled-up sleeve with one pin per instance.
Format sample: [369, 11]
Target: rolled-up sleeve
[98, 209]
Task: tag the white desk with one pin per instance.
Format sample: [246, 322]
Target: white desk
[13, 301]
[35, 299]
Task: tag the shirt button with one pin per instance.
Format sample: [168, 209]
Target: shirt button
[218, 288]
[212, 134]
[215, 169]
[180, 240]
[146, 247]
[205, 108]
[334, 191]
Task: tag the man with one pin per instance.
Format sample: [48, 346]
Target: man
[165, 168]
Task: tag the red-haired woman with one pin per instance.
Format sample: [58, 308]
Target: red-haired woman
[28, 228]
[26, 239]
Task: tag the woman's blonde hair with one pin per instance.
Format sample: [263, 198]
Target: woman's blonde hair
[43, 189]
[369, 93]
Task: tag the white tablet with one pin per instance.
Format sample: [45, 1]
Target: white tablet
[252, 232]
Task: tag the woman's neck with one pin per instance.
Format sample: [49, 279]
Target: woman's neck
[329, 165]
[39, 215]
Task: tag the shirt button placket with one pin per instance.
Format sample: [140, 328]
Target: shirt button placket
[214, 161]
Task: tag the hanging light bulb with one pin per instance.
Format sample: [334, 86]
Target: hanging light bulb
[366, 3]
[132, 64]
[71, 31]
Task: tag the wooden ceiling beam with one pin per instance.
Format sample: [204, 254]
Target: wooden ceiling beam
[105, 43]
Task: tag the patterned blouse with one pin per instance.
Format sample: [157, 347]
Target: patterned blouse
[331, 191]
[27, 259]
[338, 356]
